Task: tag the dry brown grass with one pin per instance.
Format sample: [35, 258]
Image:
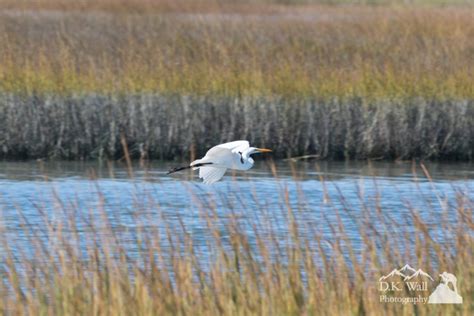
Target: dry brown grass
[214, 47]
[142, 6]
[74, 262]
[204, 6]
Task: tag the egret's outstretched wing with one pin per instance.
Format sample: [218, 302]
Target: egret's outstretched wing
[218, 156]
[223, 154]
[235, 146]
[211, 174]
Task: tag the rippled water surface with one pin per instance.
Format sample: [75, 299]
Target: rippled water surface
[319, 194]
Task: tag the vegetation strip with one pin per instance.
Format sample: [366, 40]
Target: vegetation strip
[218, 48]
[163, 127]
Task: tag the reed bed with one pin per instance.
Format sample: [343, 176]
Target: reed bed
[90, 262]
[254, 6]
[243, 48]
[175, 77]
[180, 127]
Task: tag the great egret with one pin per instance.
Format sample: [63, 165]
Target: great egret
[233, 155]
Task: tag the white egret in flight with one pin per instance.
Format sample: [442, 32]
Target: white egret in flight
[233, 155]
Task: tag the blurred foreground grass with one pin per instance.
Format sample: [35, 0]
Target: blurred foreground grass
[76, 261]
[237, 48]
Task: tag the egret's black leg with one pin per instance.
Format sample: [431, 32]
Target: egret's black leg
[189, 167]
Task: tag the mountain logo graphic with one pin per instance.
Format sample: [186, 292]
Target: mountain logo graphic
[407, 273]
[418, 272]
[406, 269]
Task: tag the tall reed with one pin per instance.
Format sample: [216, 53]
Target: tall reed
[95, 261]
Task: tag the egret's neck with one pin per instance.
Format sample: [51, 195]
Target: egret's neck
[248, 161]
[246, 154]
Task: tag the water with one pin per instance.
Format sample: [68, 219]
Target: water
[320, 194]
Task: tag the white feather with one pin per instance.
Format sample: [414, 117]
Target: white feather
[217, 156]
[235, 146]
[211, 174]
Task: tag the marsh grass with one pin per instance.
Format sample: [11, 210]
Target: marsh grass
[183, 127]
[87, 262]
[245, 48]
[333, 81]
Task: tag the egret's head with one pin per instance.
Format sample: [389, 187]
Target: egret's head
[255, 150]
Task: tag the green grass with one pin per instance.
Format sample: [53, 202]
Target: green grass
[220, 48]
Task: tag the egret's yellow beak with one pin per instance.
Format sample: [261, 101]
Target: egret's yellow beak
[264, 150]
